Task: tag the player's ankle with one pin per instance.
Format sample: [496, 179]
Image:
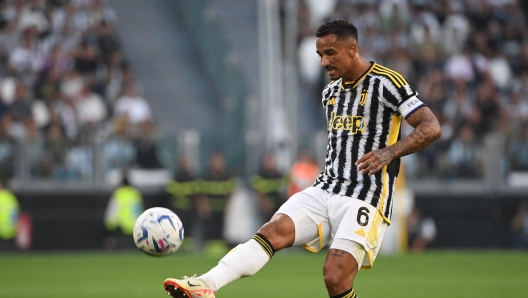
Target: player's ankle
[347, 294]
[208, 282]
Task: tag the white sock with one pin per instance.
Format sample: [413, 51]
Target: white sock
[244, 260]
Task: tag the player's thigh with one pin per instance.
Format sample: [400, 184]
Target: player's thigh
[308, 213]
[358, 230]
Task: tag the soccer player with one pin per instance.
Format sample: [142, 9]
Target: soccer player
[351, 201]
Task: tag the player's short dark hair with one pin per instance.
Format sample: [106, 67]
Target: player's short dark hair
[342, 29]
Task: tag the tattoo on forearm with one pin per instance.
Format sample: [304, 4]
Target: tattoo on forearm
[424, 134]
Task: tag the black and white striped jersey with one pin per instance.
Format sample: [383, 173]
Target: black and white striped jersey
[363, 116]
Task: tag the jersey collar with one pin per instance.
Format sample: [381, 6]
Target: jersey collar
[353, 84]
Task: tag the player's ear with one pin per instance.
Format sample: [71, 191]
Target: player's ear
[352, 50]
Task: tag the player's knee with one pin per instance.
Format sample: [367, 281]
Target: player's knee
[338, 278]
[334, 281]
[280, 232]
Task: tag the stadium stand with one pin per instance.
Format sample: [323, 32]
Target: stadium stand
[67, 79]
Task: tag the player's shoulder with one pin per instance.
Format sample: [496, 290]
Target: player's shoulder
[388, 75]
[333, 85]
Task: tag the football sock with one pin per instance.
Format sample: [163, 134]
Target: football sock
[244, 260]
[266, 245]
[348, 294]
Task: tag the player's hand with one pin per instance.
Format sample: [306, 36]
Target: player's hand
[374, 161]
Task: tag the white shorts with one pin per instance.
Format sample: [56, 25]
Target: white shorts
[351, 224]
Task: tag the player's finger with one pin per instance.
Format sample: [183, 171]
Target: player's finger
[364, 165]
[375, 169]
[363, 158]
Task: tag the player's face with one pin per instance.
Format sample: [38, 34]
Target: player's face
[336, 56]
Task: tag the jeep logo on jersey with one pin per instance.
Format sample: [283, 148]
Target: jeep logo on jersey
[352, 124]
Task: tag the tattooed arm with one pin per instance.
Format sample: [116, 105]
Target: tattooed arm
[426, 130]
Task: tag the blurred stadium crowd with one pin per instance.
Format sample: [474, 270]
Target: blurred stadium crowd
[468, 59]
[66, 86]
[65, 83]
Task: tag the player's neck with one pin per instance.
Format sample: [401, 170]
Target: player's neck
[359, 67]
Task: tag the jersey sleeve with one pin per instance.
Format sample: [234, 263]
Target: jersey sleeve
[402, 98]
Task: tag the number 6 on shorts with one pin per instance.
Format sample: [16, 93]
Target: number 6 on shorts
[363, 216]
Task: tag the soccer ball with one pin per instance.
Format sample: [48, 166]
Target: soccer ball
[158, 232]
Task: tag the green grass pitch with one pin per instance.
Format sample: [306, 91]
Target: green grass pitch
[464, 274]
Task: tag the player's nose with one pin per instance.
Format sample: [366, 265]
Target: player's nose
[324, 62]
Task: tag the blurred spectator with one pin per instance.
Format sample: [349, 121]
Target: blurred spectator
[432, 90]
[182, 191]
[9, 212]
[270, 186]
[458, 107]
[421, 230]
[486, 109]
[101, 13]
[455, 28]
[64, 110]
[118, 151]
[124, 207]
[7, 149]
[33, 15]
[4, 108]
[215, 190]
[108, 42]
[71, 83]
[302, 173]
[500, 71]
[79, 159]
[20, 109]
[520, 226]
[394, 13]
[33, 144]
[118, 74]
[518, 151]
[517, 105]
[25, 58]
[462, 155]
[47, 85]
[90, 107]
[52, 161]
[86, 58]
[132, 106]
[467, 65]
[146, 144]
[9, 37]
